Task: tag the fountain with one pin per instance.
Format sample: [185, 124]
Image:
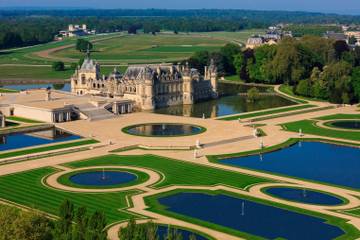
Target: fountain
[103, 177]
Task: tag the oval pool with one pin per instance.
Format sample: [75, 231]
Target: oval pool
[304, 196]
[346, 124]
[102, 178]
[247, 216]
[163, 130]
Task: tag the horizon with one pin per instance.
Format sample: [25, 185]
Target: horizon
[346, 7]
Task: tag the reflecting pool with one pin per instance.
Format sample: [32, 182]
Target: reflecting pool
[228, 103]
[250, 217]
[304, 196]
[62, 86]
[34, 138]
[163, 129]
[328, 163]
[346, 124]
[102, 178]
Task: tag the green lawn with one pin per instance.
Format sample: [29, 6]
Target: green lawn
[26, 189]
[17, 153]
[26, 55]
[309, 127]
[291, 113]
[176, 172]
[4, 90]
[33, 72]
[238, 37]
[289, 90]
[355, 212]
[268, 112]
[43, 73]
[23, 120]
[340, 116]
[146, 48]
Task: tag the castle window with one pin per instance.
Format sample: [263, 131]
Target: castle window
[83, 79]
[94, 85]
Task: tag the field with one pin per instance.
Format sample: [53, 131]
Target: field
[145, 48]
[43, 72]
[113, 49]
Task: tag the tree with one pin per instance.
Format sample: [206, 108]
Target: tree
[229, 51]
[253, 94]
[63, 227]
[73, 66]
[352, 40]
[58, 66]
[199, 60]
[355, 81]
[304, 88]
[340, 48]
[59, 86]
[132, 29]
[83, 45]
[17, 224]
[240, 65]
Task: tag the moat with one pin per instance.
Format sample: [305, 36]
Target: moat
[229, 103]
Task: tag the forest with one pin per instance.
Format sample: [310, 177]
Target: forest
[312, 66]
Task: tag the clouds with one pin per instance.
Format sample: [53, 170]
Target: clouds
[344, 6]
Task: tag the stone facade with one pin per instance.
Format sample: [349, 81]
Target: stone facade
[149, 86]
[2, 120]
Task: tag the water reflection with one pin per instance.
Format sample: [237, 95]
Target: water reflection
[34, 138]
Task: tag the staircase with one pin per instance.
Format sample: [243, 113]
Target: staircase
[94, 113]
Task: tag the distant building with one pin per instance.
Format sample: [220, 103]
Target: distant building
[355, 34]
[75, 31]
[254, 42]
[271, 37]
[2, 120]
[336, 36]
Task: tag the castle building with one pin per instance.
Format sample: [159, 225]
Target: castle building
[148, 86]
[2, 120]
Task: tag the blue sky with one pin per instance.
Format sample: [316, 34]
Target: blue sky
[332, 6]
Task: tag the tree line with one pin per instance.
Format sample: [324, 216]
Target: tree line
[25, 31]
[28, 27]
[267, 17]
[72, 224]
[312, 66]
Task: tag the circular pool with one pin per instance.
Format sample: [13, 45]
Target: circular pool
[163, 130]
[304, 196]
[102, 178]
[345, 124]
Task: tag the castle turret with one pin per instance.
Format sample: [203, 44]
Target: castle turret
[148, 96]
[188, 91]
[81, 79]
[212, 74]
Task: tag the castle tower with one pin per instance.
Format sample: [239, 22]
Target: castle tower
[89, 71]
[212, 74]
[188, 91]
[148, 96]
